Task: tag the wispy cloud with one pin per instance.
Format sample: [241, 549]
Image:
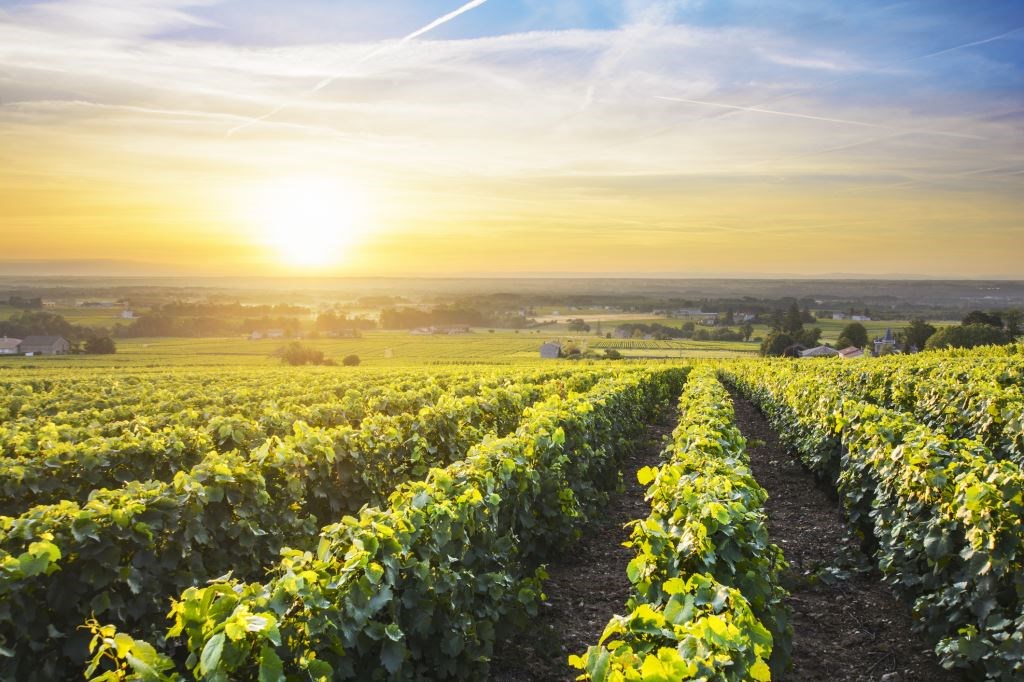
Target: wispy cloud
[440, 21]
[107, 102]
[826, 119]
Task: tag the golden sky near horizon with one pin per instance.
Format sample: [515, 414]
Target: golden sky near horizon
[657, 137]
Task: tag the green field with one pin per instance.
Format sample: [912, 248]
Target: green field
[402, 349]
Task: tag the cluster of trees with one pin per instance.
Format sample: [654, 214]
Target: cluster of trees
[235, 309]
[331, 321]
[688, 330]
[573, 352]
[23, 303]
[787, 331]
[979, 328]
[42, 323]
[161, 324]
[410, 318]
[296, 354]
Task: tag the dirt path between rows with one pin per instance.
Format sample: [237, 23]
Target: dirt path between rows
[587, 586]
[847, 624]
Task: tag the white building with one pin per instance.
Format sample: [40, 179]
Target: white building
[551, 349]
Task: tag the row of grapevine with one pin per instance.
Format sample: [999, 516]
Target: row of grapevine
[942, 513]
[71, 471]
[977, 396]
[124, 551]
[79, 403]
[420, 587]
[707, 601]
[33, 419]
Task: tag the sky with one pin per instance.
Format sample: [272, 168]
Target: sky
[512, 137]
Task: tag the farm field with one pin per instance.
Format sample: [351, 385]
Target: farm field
[358, 496]
[375, 349]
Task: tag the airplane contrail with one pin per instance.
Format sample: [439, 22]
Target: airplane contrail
[473, 4]
[827, 119]
[910, 60]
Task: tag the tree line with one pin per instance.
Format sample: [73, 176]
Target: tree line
[31, 322]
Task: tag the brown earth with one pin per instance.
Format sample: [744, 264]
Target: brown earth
[847, 624]
[587, 585]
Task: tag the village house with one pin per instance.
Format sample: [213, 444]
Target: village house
[819, 352]
[127, 315]
[44, 345]
[551, 349]
[851, 352]
[9, 346]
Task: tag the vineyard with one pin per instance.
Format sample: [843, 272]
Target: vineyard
[329, 523]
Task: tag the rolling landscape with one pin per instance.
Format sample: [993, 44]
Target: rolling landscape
[612, 340]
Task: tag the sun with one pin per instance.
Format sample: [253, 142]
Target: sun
[310, 222]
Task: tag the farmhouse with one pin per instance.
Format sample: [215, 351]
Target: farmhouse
[551, 349]
[850, 353]
[819, 352]
[127, 314]
[9, 346]
[45, 345]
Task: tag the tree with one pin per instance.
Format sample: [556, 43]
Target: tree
[578, 325]
[612, 354]
[967, 336]
[917, 334]
[40, 323]
[776, 343]
[1012, 320]
[747, 330]
[808, 337]
[100, 345]
[793, 321]
[979, 317]
[296, 354]
[853, 334]
[351, 360]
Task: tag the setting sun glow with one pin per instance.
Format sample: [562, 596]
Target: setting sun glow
[309, 222]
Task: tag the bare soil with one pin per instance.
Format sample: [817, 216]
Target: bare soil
[847, 624]
[587, 585]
